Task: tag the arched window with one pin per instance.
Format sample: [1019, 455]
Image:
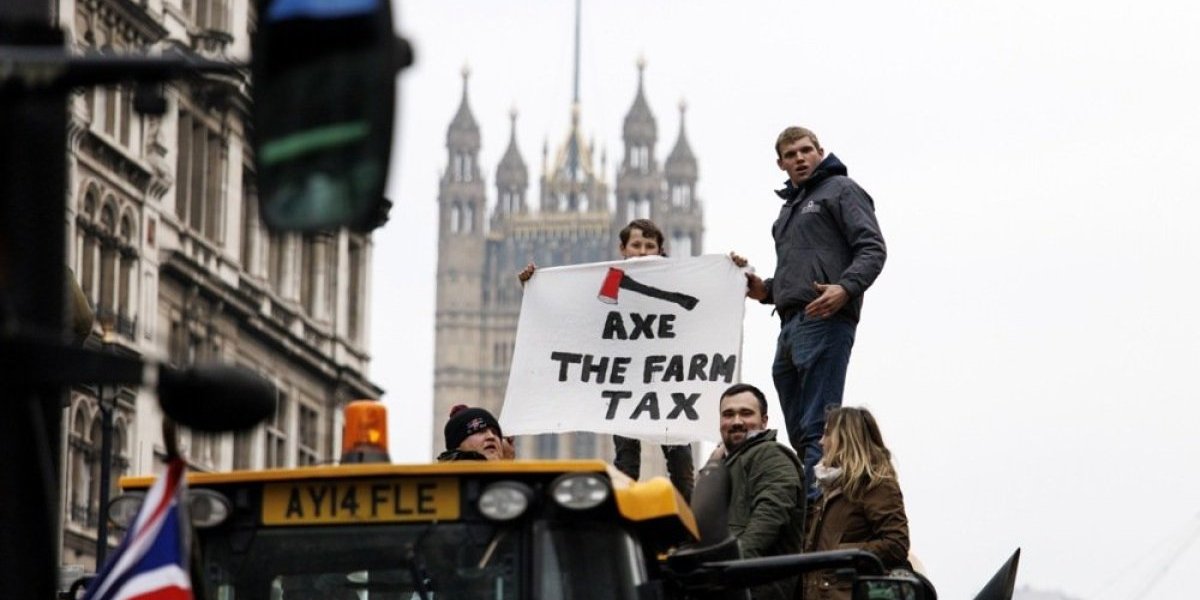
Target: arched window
[108, 262]
[120, 450]
[125, 231]
[93, 495]
[681, 195]
[639, 158]
[88, 249]
[108, 216]
[468, 218]
[466, 163]
[89, 204]
[455, 218]
[80, 476]
[126, 279]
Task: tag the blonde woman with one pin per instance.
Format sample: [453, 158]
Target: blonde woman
[860, 506]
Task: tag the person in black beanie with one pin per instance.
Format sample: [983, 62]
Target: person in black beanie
[471, 434]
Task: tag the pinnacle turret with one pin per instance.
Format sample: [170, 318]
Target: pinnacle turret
[640, 126]
[463, 135]
[512, 176]
[681, 163]
[512, 171]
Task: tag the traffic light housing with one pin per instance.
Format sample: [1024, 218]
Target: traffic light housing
[324, 76]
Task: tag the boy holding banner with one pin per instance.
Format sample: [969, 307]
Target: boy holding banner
[640, 238]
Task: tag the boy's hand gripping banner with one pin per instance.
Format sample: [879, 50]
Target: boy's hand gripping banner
[641, 348]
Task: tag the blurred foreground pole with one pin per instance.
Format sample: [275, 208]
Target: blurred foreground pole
[32, 259]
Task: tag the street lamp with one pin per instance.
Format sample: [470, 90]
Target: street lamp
[107, 407]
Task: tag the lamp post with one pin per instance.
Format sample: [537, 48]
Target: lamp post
[107, 406]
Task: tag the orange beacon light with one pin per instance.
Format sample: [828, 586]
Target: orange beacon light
[364, 436]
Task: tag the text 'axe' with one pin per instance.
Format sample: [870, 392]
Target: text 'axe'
[617, 279]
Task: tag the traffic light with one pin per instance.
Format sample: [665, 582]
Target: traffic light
[324, 76]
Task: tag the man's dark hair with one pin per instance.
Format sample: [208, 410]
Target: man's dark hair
[648, 229]
[739, 388]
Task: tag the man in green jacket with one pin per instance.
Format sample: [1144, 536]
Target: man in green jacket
[766, 501]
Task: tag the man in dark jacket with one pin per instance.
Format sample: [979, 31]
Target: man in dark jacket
[766, 494]
[829, 250]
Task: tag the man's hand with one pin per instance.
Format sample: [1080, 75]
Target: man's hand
[526, 273]
[755, 288]
[738, 259]
[833, 297]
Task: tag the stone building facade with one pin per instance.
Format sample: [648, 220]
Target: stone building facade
[166, 243]
[574, 218]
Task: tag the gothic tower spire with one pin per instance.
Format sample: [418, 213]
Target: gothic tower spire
[639, 182]
[572, 185]
[641, 129]
[683, 217]
[573, 140]
[575, 97]
[681, 163]
[512, 176]
[463, 134]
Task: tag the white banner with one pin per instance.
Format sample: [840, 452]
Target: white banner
[641, 347]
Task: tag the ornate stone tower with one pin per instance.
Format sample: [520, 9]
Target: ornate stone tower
[458, 355]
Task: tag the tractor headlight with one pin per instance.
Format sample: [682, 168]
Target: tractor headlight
[504, 500]
[205, 508]
[580, 491]
[123, 509]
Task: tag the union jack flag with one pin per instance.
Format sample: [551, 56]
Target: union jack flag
[151, 562]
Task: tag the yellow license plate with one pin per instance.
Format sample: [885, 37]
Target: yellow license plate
[360, 501]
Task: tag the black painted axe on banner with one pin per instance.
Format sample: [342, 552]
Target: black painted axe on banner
[617, 279]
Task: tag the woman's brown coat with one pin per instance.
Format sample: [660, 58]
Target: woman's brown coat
[876, 524]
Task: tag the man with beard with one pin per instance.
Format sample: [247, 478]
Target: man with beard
[472, 434]
[766, 500]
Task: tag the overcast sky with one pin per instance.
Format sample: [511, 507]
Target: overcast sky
[1031, 346]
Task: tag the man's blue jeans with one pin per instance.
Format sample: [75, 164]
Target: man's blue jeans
[810, 373]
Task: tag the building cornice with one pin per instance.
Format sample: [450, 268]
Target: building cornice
[108, 157]
[145, 24]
